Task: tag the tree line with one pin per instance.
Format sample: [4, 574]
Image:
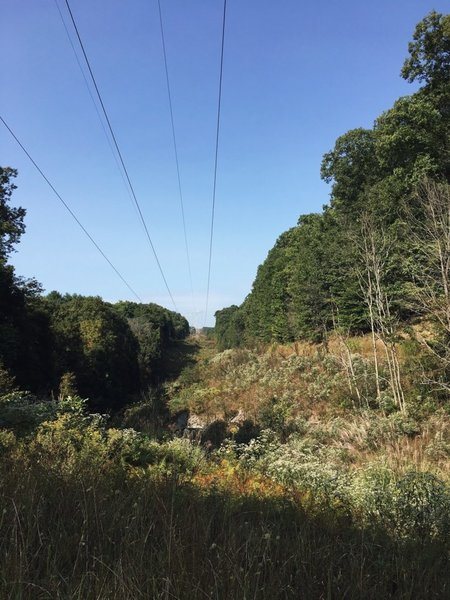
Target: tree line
[61, 344]
[378, 254]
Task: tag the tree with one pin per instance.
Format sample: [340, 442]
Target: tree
[172, 325]
[11, 219]
[352, 165]
[309, 287]
[431, 275]
[156, 329]
[96, 344]
[411, 140]
[429, 52]
[148, 336]
[312, 275]
[373, 248]
[24, 329]
[230, 327]
[266, 307]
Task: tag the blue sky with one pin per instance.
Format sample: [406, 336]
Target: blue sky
[296, 76]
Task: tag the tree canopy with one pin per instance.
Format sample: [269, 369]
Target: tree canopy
[108, 352]
[311, 279]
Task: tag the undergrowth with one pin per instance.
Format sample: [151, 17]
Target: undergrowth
[305, 495]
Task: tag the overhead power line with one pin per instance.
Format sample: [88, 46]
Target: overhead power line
[116, 145]
[216, 158]
[175, 147]
[67, 207]
[88, 87]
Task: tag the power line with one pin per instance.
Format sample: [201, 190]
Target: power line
[175, 147]
[119, 153]
[71, 211]
[216, 157]
[95, 104]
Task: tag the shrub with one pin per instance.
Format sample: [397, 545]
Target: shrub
[421, 507]
[275, 414]
[68, 385]
[7, 441]
[415, 506]
[22, 412]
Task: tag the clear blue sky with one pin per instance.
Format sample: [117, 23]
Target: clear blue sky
[296, 76]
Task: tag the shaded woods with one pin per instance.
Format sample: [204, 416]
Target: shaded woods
[58, 343]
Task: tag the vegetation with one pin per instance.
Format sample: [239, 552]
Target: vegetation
[359, 260]
[308, 454]
[112, 351]
[303, 493]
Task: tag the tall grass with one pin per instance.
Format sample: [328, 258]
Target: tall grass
[105, 529]
[327, 499]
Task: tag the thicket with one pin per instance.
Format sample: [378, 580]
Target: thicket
[378, 253]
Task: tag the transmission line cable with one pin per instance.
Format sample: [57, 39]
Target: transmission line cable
[175, 147]
[216, 159]
[70, 210]
[119, 168]
[116, 145]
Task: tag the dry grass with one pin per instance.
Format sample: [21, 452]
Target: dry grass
[90, 514]
[113, 533]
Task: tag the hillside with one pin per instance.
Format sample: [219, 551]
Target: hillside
[291, 482]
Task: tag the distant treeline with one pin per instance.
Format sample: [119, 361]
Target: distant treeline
[101, 351]
[379, 252]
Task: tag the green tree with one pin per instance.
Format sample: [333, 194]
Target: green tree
[156, 329]
[95, 344]
[266, 307]
[429, 52]
[310, 277]
[308, 286]
[11, 219]
[352, 166]
[148, 336]
[411, 140]
[230, 327]
[24, 329]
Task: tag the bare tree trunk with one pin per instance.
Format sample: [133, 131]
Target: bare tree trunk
[346, 360]
[431, 234]
[374, 250]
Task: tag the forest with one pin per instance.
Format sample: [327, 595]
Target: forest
[300, 449]
[375, 247]
[107, 352]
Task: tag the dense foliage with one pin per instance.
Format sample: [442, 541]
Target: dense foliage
[360, 499]
[108, 352]
[321, 273]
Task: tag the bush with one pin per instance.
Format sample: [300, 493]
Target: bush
[421, 507]
[275, 414]
[415, 506]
